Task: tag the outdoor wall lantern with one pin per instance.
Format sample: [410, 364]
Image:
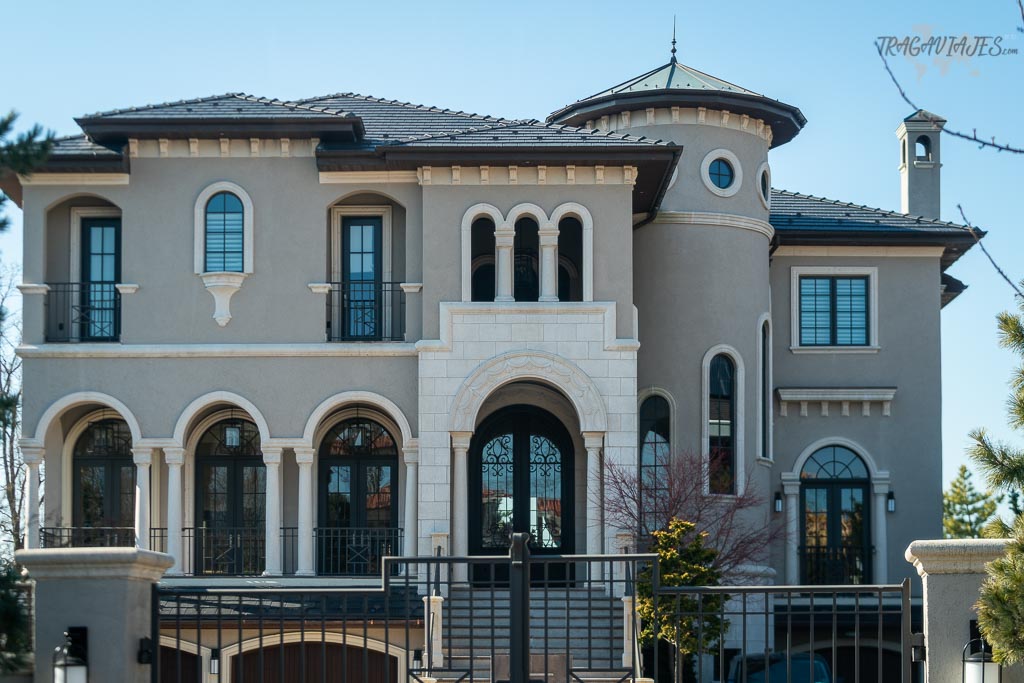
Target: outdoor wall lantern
[890, 502]
[69, 660]
[978, 665]
[214, 661]
[778, 502]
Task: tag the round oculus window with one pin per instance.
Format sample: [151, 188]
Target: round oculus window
[764, 184]
[721, 173]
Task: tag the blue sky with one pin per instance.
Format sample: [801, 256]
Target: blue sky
[528, 58]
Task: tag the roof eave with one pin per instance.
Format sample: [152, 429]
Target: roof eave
[105, 129]
[955, 245]
[786, 120]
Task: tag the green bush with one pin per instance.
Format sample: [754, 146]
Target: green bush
[15, 626]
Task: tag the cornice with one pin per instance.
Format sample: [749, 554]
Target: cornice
[726, 220]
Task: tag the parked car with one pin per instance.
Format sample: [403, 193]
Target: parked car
[777, 668]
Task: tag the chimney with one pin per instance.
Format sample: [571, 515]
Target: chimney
[920, 163]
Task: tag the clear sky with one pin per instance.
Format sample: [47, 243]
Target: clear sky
[527, 58]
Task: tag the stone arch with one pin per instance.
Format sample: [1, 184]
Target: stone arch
[348, 398]
[61, 405]
[92, 194]
[526, 210]
[538, 366]
[187, 419]
[872, 465]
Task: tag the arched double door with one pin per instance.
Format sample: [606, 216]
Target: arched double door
[521, 480]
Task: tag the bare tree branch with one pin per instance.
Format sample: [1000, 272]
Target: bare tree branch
[977, 240]
[972, 137]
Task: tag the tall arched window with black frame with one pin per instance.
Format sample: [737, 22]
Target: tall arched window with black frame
[225, 248]
[722, 425]
[655, 454]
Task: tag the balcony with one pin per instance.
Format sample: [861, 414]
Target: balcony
[829, 565]
[82, 312]
[364, 310]
[87, 537]
[348, 551]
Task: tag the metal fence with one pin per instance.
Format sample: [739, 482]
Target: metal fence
[531, 617]
[83, 312]
[86, 537]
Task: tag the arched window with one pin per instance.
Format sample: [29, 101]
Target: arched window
[231, 499]
[722, 425]
[923, 148]
[836, 544]
[482, 255]
[225, 249]
[526, 250]
[570, 259]
[104, 484]
[655, 453]
[358, 498]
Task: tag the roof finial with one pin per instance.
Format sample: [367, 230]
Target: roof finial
[673, 39]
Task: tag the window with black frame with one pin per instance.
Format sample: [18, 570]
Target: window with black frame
[655, 453]
[722, 425]
[224, 234]
[834, 311]
[104, 486]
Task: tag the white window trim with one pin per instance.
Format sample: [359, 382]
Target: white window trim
[338, 213]
[737, 169]
[647, 393]
[765, 201]
[75, 237]
[765, 451]
[796, 272]
[248, 219]
[705, 410]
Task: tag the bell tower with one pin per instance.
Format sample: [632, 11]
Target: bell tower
[920, 163]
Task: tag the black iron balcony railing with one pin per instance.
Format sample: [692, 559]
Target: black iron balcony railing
[229, 551]
[831, 565]
[83, 312]
[86, 537]
[348, 551]
[364, 310]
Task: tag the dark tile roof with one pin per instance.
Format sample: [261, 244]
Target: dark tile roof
[792, 211]
[528, 133]
[389, 121]
[81, 146]
[229, 105]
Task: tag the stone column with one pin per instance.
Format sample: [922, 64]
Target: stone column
[412, 497]
[460, 499]
[106, 590]
[504, 238]
[880, 567]
[548, 262]
[593, 441]
[143, 458]
[791, 489]
[32, 456]
[951, 572]
[272, 554]
[175, 458]
[307, 499]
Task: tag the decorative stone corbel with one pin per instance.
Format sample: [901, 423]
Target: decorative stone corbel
[222, 286]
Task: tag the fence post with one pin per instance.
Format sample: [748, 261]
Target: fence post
[519, 612]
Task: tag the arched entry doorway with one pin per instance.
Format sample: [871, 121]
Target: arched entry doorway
[521, 480]
[103, 512]
[835, 518]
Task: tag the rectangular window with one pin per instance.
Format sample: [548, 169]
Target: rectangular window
[834, 311]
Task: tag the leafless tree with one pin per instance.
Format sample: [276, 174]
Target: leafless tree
[739, 527]
[12, 504]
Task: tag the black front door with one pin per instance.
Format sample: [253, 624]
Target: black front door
[521, 465]
[231, 504]
[97, 314]
[836, 547]
[362, 272]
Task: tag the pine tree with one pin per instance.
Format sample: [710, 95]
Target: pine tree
[965, 509]
[1001, 605]
[21, 154]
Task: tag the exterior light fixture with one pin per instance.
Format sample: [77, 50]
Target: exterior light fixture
[890, 502]
[978, 665]
[214, 661]
[778, 502]
[69, 660]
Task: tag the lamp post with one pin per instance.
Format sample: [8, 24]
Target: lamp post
[978, 666]
[69, 666]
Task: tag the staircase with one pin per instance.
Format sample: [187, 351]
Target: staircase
[584, 622]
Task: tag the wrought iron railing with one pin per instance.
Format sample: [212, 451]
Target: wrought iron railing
[821, 565]
[83, 312]
[241, 550]
[355, 551]
[364, 310]
[86, 537]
